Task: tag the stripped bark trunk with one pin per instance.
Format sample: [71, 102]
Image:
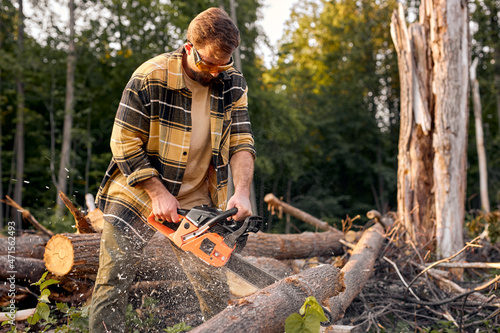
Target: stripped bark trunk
[481, 152]
[433, 65]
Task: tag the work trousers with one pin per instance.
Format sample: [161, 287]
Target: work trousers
[119, 258]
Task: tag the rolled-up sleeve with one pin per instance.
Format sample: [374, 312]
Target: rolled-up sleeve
[241, 138]
[131, 132]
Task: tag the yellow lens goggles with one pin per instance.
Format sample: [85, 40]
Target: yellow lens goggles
[203, 66]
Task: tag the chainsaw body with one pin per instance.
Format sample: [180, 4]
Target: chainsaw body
[207, 233]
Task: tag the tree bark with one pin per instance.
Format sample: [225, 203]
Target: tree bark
[267, 310]
[433, 67]
[27, 246]
[27, 270]
[450, 55]
[481, 151]
[359, 268]
[68, 109]
[294, 246]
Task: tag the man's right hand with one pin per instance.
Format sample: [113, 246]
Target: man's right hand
[163, 203]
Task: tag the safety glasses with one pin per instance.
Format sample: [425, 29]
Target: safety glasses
[203, 66]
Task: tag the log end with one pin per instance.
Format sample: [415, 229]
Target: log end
[59, 255]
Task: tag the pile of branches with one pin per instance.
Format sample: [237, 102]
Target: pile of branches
[407, 292]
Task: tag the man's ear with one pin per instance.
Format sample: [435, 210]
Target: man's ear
[187, 47]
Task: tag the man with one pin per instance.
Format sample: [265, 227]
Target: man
[182, 120]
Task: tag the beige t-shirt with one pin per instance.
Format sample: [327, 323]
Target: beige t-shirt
[194, 188]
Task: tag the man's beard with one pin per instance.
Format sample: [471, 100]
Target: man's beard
[205, 79]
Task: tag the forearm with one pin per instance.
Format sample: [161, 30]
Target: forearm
[242, 167]
[163, 204]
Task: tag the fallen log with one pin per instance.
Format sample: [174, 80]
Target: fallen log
[267, 309]
[359, 268]
[26, 245]
[272, 201]
[294, 246]
[27, 270]
[27, 216]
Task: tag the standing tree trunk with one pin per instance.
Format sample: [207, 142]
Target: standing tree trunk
[433, 58]
[68, 110]
[19, 138]
[481, 152]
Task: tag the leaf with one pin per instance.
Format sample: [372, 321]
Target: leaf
[294, 323]
[34, 318]
[39, 282]
[44, 297]
[43, 311]
[48, 283]
[311, 306]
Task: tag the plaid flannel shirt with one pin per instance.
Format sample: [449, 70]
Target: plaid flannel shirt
[151, 136]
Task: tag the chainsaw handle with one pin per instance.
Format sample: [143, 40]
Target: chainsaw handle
[182, 212]
[222, 216]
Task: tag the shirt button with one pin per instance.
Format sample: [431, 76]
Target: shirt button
[184, 153]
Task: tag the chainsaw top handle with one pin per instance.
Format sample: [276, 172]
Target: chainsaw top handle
[222, 216]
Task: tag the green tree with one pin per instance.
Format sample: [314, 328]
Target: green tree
[336, 68]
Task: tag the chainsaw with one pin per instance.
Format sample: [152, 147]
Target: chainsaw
[212, 236]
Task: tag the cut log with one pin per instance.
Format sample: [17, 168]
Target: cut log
[26, 270]
[359, 267]
[26, 245]
[267, 310]
[301, 215]
[294, 246]
[83, 224]
[76, 255]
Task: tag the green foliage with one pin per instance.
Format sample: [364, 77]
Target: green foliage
[145, 318]
[178, 328]
[309, 318]
[43, 319]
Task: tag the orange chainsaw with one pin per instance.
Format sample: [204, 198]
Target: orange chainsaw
[211, 236]
[208, 233]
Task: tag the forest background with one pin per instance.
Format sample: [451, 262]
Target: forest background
[325, 115]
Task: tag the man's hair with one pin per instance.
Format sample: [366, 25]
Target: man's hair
[214, 29]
